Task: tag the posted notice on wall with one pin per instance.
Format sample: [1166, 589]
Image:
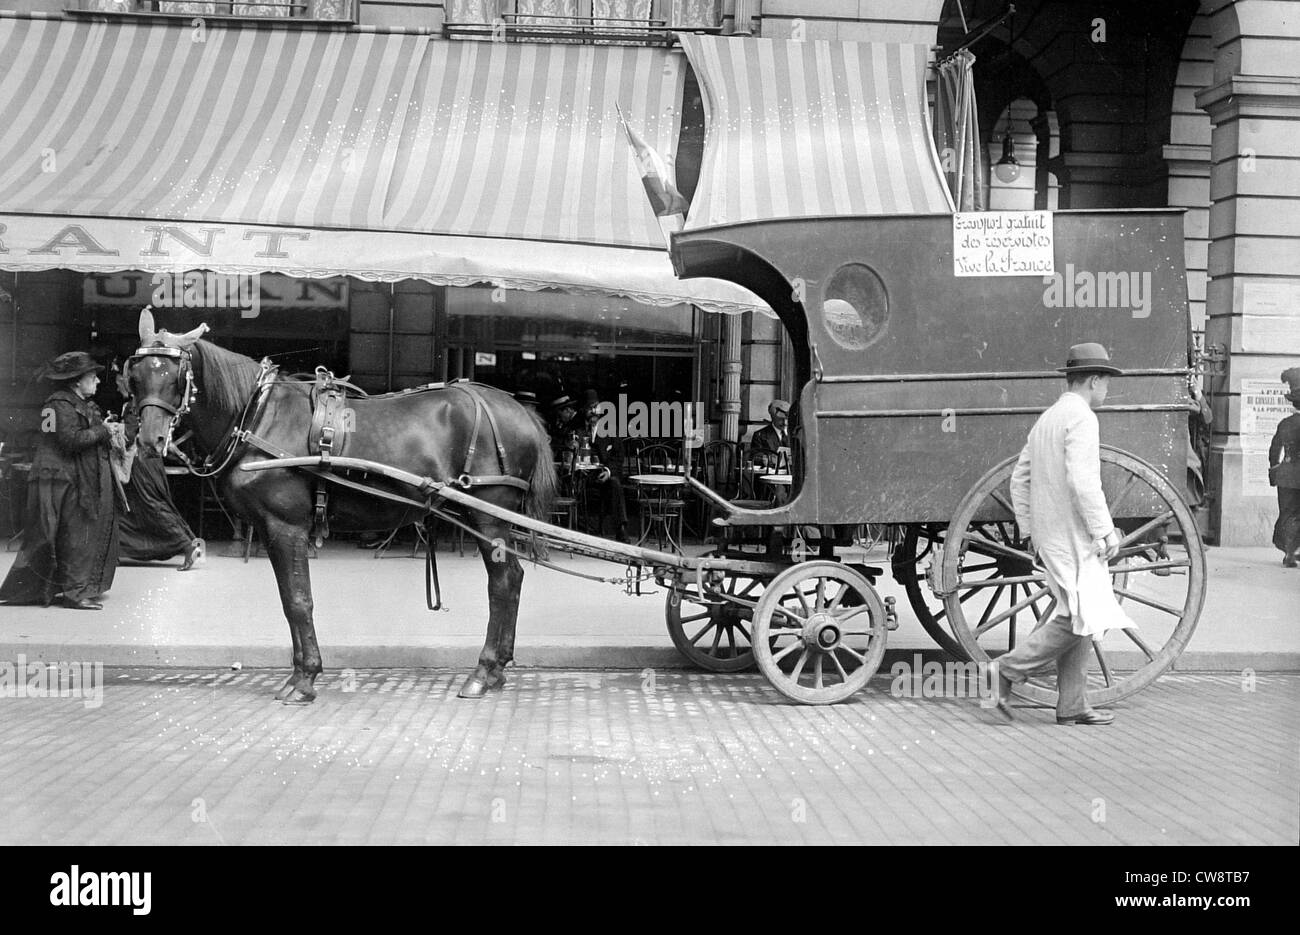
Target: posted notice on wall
[1002, 243]
[1263, 406]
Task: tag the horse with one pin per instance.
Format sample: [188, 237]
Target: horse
[474, 435]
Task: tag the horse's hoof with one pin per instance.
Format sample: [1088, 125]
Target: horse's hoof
[299, 697]
[476, 686]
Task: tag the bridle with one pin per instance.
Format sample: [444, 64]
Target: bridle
[185, 374]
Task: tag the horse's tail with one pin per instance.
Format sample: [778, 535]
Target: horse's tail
[544, 483]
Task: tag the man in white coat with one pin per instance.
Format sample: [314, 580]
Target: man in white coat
[1057, 496]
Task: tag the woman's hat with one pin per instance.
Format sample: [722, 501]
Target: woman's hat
[1090, 358]
[69, 366]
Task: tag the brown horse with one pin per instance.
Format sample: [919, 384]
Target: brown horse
[439, 433]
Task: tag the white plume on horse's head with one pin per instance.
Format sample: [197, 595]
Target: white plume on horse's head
[182, 340]
[147, 332]
[149, 336]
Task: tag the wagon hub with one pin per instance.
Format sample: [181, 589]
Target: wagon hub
[822, 631]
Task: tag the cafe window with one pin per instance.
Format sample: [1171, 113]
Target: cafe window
[551, 343]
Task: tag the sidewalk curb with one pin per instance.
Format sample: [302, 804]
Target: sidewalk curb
[543, 657]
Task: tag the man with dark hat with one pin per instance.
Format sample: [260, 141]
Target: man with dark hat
[1058, 500]
[70, 544]
[1284, 473]
[589, 461]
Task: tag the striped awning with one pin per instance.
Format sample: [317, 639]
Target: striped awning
[505, 156]
[817, 128]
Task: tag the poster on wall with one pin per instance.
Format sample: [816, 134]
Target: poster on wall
[1263, 406]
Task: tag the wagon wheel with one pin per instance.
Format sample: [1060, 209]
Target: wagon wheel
[909, 559]
[711, 632]
[1159, 575]
[819, 632]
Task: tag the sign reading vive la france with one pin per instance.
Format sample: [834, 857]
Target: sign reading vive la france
[1002, 243]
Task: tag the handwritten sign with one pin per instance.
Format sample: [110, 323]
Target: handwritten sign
[1002, 243]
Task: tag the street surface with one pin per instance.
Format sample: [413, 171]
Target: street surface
[655, 756]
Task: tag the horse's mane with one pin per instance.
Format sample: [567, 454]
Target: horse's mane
[225, 379]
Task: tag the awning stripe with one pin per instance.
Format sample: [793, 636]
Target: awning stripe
[800, 129]
[323, 128]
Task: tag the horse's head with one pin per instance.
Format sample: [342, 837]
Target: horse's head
[161, 378]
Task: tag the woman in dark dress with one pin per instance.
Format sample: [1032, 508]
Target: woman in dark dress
[70, 543]
[1284, 472]
[153, 530]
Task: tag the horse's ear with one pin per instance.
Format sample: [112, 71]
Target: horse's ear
[187, 339]
[147, 333]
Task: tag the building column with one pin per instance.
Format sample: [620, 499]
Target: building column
[1253, 294]
[729, 404]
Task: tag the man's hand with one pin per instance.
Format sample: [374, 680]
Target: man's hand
[1108, 547]
[602, 475]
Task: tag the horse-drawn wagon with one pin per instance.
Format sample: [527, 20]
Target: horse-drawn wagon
[916, 389]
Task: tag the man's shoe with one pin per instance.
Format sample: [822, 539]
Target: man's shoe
[1089, 718]
[82, 604]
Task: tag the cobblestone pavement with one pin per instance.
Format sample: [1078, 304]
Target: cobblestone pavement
[188, 757]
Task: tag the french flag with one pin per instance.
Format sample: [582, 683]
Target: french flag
[665, 199]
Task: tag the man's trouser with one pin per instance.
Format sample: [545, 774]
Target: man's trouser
[1055, 641]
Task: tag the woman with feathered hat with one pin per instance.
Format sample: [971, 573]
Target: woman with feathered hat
[70, 543]
[1284, 473]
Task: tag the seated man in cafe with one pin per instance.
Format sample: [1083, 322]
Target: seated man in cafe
[770, 446]
[590, 461]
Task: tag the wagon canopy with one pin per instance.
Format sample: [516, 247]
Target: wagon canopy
[314, 152]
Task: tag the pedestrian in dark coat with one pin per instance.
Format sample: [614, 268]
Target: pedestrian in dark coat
[1284, 472]
[153, 529]
[70, 543]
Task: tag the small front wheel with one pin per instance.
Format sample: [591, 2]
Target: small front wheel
[819, 632]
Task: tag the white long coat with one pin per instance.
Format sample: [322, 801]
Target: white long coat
[1056, 492]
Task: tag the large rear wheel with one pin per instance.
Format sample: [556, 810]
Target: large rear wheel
[1158, 575]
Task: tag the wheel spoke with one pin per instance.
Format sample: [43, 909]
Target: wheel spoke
[693, 617]
[817, 670]
[743, 632]
[836, 659]
[1150, 566]
[993, 601]
[788, 615]
[798, 666]
[696, 638]
[1132, 634]
[821, 594]
[731, 640]
[717, 638]
[1003, 502]
[1009, 612]
[998, 547]
[1149, 601]
[860, 657]
[994, 582]
[1101, 660]
[1146, 528]
[1123, 494]
[777, 657]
